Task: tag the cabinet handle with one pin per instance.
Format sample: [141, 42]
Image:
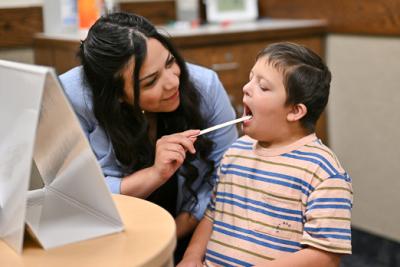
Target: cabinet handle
[225, 66]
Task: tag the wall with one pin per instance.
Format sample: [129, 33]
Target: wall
[363, 113]
[364, 128]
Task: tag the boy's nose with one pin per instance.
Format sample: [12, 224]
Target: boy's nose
[246, 88]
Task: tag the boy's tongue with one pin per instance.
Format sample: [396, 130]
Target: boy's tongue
[247, 111]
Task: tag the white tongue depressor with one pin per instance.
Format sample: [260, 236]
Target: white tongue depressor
[219, 126]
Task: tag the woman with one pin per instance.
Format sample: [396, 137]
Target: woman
[137, 101]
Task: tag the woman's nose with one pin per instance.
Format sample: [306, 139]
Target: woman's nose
[171, 80]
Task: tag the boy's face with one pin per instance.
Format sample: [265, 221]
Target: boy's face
[265, 98]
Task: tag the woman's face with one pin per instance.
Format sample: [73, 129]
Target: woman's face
[159, 80]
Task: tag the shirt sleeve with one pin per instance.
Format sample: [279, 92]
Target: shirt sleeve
[216, 108]
[80, 101]
[328, 215]
[104, 153]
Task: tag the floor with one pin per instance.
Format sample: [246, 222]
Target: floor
[372, 251]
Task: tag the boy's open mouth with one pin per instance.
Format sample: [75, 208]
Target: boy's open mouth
[247, 111]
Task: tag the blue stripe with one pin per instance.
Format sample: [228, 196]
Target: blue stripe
[257, 234]
[267, 180]
[342, 200]
[227, 258]
[319, 163]
[273, 174]
[327, 229]
[314, 207]
[262, 211]
[259, 203]
[243, 142]
[253, 240]
[317, 156]
[242, 147]
[219, 262]
[326, 236]
[344, 176]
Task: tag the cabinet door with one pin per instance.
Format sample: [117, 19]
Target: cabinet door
[226, 62]
[60, 54]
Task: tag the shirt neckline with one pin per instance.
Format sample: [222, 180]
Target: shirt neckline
[270, 152]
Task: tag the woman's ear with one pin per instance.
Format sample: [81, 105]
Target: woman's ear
[298, 111]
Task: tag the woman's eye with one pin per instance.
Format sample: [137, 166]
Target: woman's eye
[170, 61]
[150, 83]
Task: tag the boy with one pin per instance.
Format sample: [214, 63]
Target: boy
[282, 198]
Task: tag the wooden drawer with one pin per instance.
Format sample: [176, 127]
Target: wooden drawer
[62, 55]
[226, 61]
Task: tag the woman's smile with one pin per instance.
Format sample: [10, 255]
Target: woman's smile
[174, 96]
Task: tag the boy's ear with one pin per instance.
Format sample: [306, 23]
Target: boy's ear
[298, 111]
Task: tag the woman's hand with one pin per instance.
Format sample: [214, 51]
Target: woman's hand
[171, 152]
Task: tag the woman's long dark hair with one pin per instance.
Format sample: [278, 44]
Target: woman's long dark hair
[111, 43]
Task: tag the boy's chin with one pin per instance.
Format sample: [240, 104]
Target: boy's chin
[248, 132]
[254, 134]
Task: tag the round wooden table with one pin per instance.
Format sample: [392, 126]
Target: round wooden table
[149, 239]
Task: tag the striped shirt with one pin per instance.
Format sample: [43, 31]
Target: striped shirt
[271, 202]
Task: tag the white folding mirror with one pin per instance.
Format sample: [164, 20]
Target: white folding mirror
[40, 138]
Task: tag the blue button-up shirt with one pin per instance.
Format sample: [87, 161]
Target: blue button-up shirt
[214, 105]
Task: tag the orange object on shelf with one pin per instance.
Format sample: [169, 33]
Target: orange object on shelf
[89, 11]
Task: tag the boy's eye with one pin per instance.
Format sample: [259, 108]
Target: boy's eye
[264, 88]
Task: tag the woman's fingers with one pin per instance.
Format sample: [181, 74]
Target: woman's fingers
[167, 162]
[172, 158]
[175, 148]
[185, 139]
[190, 133]
[171, 151]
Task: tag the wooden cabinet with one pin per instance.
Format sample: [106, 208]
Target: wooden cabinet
[229, 50]
[225, 60]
